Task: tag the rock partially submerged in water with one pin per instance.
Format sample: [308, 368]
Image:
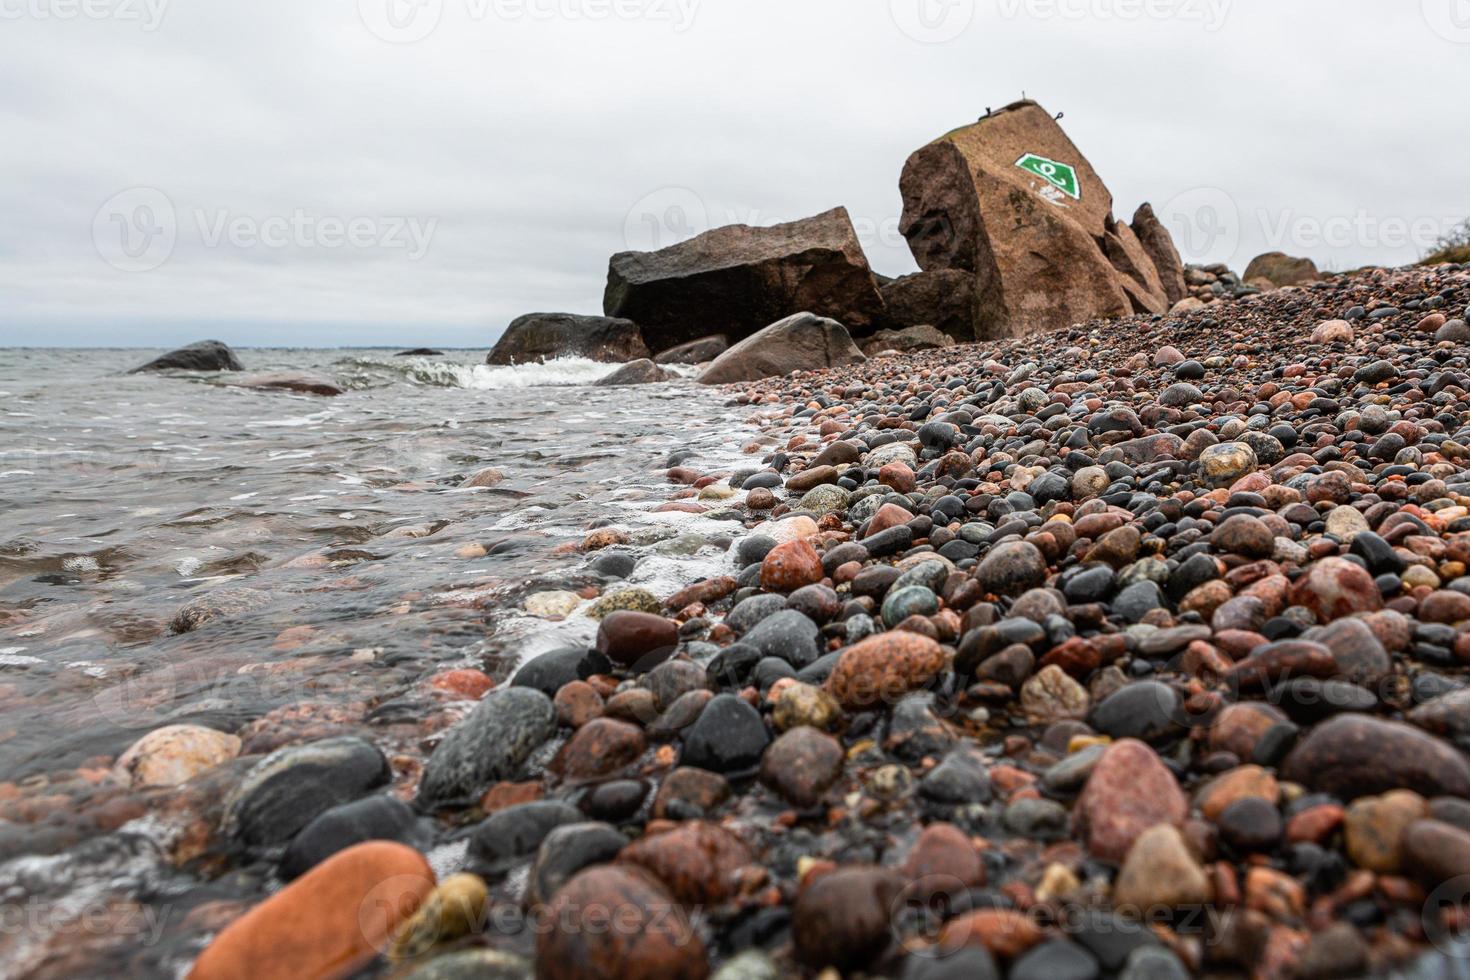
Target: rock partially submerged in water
[538, 337]
[488, 746]
[803, 342]
[205, 355]
[379, 817]
[175, 754]
[219, 604]
[292, 786]
[420, 352]
[302, 382]
[639, 372]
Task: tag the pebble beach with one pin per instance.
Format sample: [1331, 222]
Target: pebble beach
[1136, 649]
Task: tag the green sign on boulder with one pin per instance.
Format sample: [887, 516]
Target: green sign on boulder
[1060, 175]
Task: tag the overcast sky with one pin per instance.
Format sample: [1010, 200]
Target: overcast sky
[406, 172]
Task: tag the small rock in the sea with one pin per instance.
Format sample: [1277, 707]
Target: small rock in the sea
[567, 850]
[175, 754]
[553, 605]
[290, 787]
[599, 748]
[488, 746]
[637, 638]
[790, 566]
[629, 599]
[380, 817]
[483, 479]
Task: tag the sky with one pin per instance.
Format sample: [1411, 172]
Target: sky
[419, 172]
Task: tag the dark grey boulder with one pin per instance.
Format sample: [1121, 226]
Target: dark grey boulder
[487, 747]
[538, 337]
[205, 355]
[639, 372]
[292, 786]
[737, 279]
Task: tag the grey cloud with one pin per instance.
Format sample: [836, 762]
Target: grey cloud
[540, 143]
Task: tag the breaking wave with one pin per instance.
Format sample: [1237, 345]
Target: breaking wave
[433, 372]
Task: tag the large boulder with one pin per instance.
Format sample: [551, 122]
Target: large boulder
[943, 299]
[1282, 269]
[737, 279]
[1012, 200]
[538, 337]
[803, 342]
[205, 355]
[1159, 245]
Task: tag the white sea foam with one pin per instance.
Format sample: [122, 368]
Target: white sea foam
[560, 372]
[433, 372]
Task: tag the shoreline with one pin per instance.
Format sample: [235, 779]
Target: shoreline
[1012, 646]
